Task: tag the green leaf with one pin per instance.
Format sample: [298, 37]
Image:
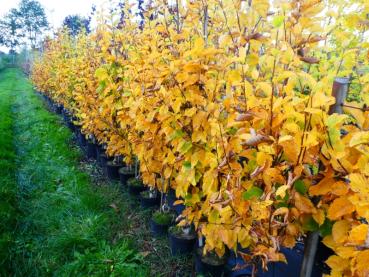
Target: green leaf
[300, 187]
[176, 134]
[232, 131]
[315, 169]
[101, 74]
[213, 216]
[126, 93]
[187, 165]
[326, 228]
[186, 147]
[278, 21]
[311, 225]
[252, 192]
[336, 119]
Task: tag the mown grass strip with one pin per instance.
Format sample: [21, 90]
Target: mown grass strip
[8, 188]
[67, 227]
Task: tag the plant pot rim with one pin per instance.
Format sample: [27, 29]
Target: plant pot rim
[111, 163]
[220, 261]
[124, 170]
[142, 193]
[135, 186]
[160, 224]
[190, 236]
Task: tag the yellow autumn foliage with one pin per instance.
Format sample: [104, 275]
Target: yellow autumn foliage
[227, 102]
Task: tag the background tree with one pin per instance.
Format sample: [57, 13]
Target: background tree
[76, 23]
[33, 19]
[10, 30]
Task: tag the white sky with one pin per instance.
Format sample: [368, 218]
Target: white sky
[56, 10]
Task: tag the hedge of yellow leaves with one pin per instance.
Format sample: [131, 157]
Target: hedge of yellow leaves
[226, 102]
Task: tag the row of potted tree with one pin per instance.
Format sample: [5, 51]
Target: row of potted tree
[228, 104]
[182, 239]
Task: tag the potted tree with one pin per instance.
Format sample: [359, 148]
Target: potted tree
[149, 198]
[161, 220]
[112, 169]
[135, 186]
[101, 156]
[209, 263]
[81, 138]
[127, 172]
[91, 147]
[182, 239]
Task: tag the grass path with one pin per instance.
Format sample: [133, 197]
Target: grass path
[58, 215]
[56, 223]
[8, 188]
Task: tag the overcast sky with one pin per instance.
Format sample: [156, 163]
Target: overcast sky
[56, 10]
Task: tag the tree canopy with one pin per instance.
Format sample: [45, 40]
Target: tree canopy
[76, 23]
[28, 21]
[10, 30]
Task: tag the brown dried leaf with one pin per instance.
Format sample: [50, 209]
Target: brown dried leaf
[257, 139]
[245, 116]
[309, 60]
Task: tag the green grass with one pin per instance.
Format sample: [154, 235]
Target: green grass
[8, 189]
[64, 218]
[66, 227]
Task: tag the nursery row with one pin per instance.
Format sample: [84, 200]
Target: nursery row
[228, 107]
[182, 240]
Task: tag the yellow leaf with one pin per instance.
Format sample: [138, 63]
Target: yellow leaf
[337, 263]
[190, 112]
[181, 77]
[266, 87]
[340, 231]
[362, 262]
[261, 6]
[340, 207]
[358, 234]
[359, 138]
[255, 74]
[177, 105]
[281, 191]
[209, 182]
[358, 115]
[234, 77]
[229, 237]
[324, 186]
[304, 204]
[319, 216]
[358, 183]
[243, 237]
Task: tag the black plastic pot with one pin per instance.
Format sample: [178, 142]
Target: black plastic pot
[181, 245]
[66, 114]
[149, 202]
[81, 139]
[120, 159]
[103, 160]
[135, 190]
[91, 150]
[100, 152]
[124, 175]
[208, 269]
[70, 125]
[112, 170]
[171, 197]
[158, 230]
[59, 108]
